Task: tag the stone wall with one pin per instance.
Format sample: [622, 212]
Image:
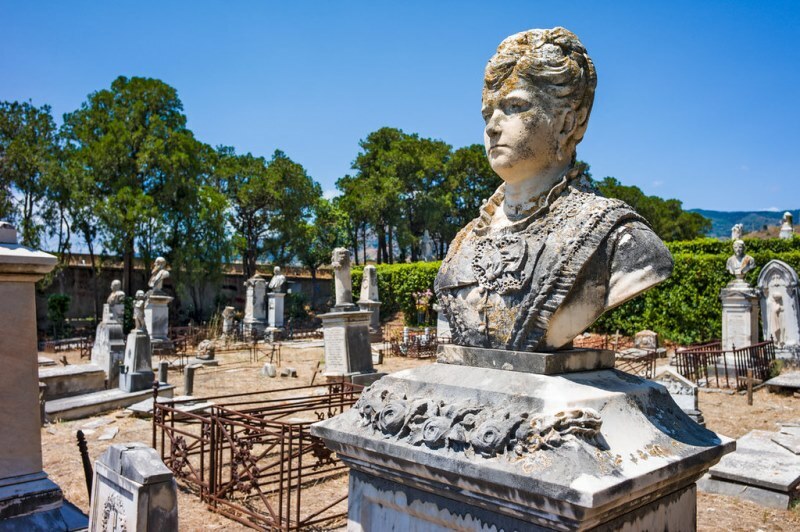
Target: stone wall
[76, 281]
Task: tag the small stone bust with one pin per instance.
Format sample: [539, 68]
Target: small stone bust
[140, 300]
[787, 229]
[158, 275]
[117, 296]
[278, 282]
[739, 264]
[547, 254]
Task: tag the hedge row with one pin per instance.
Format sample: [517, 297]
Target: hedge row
[685, 308]
[712, 246]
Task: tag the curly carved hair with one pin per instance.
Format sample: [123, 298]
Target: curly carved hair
[554, 61]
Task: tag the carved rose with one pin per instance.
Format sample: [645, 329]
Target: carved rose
[434, 431]
[392, 417]
[489, 438]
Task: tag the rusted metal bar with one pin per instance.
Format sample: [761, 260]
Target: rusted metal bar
[87, 464]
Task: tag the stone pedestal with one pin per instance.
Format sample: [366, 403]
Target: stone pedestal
[133, 490]
[137, 371]
[109, 346]
[739, 315]
[255, 311]
[347, 348]
[275, 309]
[374, 309]
[28, 499]
[459, 447]
[156, 318]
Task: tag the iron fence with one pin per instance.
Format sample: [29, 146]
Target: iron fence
[410, 342]
[252, 458]
[709, 365]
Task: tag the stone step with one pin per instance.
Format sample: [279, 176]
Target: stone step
[68, 381]
[91, 404]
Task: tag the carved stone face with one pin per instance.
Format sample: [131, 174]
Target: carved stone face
[738, 249]
[522, 133]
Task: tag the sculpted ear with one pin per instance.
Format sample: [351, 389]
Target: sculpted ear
[568, 123]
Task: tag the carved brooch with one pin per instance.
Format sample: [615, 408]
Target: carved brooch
[499, 263]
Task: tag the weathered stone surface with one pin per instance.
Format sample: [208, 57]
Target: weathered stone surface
[66, 381]
[156, 313]
[780, 306]
[739, 263]
[158, 275]
[134, 490]
[109, 346]
[645, 340]
[255, 311]
[206, 350]
[91, 404]
[340, 261]
[739, 315]
[790, 442]
[228, 313]
[275, 311]
[759, 461]
[347, 348]
[789, 380]
[458, 429]
[278, 282]
[760, 496]
[787, 231]
[553, 363]
[269, 370]
[369, 302]
[137, 371]
[682, 390]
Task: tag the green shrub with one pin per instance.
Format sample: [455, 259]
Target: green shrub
[684, 308]
[57, 308]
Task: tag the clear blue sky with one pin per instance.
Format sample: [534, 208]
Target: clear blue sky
[695, 100]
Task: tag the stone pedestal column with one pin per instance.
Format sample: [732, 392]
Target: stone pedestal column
[156, 317]
[109, 345]
[275, 309]
[255, 311]
[455, 446]
[28, 499]
[739, 315]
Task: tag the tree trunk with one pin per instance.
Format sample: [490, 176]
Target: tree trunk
[93, 269]
[381, 244]
[314, 286]
[391, 245]
[364, 240]
[127, 268]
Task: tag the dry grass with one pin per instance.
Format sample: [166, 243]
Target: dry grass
[726, 414]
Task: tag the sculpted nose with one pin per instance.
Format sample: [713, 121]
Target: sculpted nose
[493, 125]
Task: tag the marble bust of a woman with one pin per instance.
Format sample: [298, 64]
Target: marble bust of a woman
[547, 254]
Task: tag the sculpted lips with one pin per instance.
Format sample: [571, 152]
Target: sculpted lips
[491, 148]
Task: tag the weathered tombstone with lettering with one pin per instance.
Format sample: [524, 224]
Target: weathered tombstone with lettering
[780, 308]
[739, 302]
[255, 311]
[228, 315]
[133, 490]
[511, 429]
[29, 500]
[348, 354]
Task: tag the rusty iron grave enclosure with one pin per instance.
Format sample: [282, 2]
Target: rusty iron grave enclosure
[251, 456]
[708, 365]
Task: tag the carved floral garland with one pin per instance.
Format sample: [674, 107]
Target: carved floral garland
[461, 427]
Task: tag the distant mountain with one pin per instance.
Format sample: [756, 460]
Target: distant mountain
[722, 221]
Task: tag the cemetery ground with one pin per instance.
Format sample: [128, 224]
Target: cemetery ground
[725, 413]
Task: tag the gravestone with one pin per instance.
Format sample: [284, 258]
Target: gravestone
[255, 311]
[228, 314]
[133, 490]
[512, 429]
[369, 302]
[109, 346]
[442, 327]
[682, 391]
[346, 330]
[739, 302]
[29, 500]
[780, 308]
[645, 340]
[427, 247]
[136, 373]
[275, 300]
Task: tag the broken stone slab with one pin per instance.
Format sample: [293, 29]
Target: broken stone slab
[553, 363]
[184, 403]
[760, 496]
[109, 434]
[759, 461]
[788, 441]
[289, 372]
[789, 380]
[45, 361]
[97, 423]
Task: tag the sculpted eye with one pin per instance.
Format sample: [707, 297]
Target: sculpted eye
[517, 106]
[487, 114]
